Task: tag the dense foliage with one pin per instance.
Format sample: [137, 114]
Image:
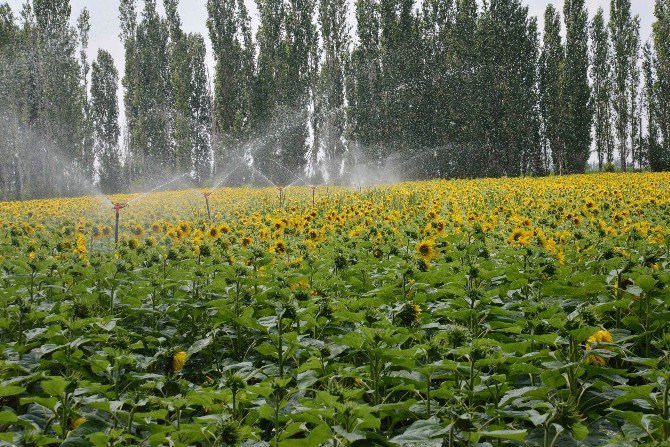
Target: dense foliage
[488, 312]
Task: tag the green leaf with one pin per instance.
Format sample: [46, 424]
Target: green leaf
[199, 346]
[10, 390]
[8, 417]
[423, 432]
[55, 387]
[512, 435]
[580, 431]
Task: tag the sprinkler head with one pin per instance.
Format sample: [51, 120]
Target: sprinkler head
[206, 194]
[119, 206]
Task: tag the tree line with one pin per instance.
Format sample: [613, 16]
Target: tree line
[445, 88]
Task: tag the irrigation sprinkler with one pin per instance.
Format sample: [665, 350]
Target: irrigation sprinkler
[281, 196]
[313, 194]
[206, 196]
[118, 206]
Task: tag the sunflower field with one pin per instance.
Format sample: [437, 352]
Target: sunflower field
[508, 312]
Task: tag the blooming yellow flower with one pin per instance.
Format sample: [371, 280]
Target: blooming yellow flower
[280, 246]
[425, 248]
[80, 246]
[178, 361]
[602, 336]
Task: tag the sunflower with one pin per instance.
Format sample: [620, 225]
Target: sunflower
[602, 336]
[246, 241]
[138, 230]
[518, 237]
[425, 248]
[80, 247]
[106, 231]
[280, 246]
[213, 232]
[224, 228]
[178, 361]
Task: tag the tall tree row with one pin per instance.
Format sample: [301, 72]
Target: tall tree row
[166, 95]
[44, 109]
[658, 88]
[438, 88]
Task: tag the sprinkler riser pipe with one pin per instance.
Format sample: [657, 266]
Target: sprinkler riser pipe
[116, 228]
[209, 214]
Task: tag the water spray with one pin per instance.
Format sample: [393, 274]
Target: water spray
[206, 196]
[118, 206]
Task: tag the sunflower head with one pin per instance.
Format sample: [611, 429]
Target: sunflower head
[280, 246]
[602, 336]
[425, 248]
[178, 361]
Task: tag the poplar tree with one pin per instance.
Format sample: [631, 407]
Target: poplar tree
[507, 41]
[8, 36]
[552, 62]
[633, 93]
[233, 50]
[576, 89]
[329, 102]
[601, 74]
[131, 79]
[180, 77]
[363, 85]
[661, 38]
[87, 155]
[653, 153]
[622, 30]
[152, 136]
[299, 53]
[105, 117]
[199, 103]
